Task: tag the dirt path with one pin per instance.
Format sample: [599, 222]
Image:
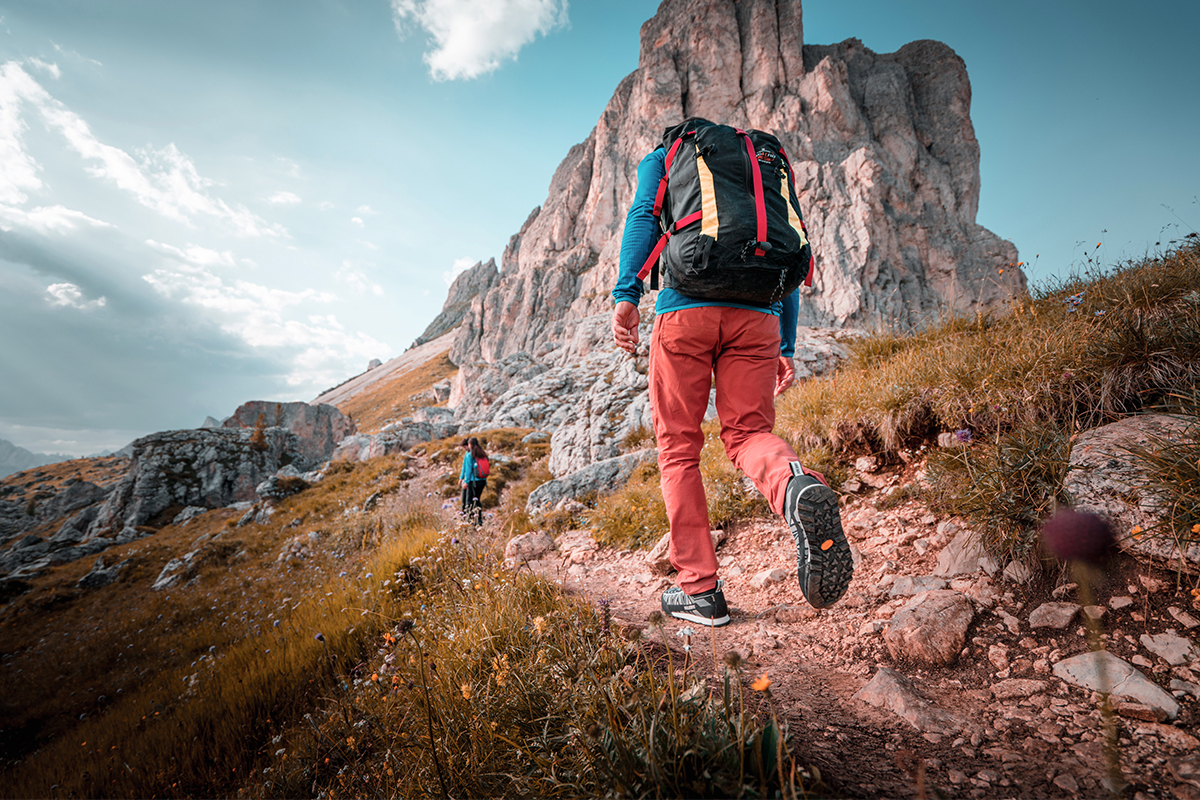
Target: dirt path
[1044, 743]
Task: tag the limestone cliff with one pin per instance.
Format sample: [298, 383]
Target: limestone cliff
[887, 171]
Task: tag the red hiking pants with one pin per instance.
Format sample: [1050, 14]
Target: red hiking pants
[689, 349]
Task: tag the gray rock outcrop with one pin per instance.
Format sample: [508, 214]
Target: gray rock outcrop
[887, 169]
[1105, 479]
[1103, 672]
[201, 467]
[598, 477]
[318, 428]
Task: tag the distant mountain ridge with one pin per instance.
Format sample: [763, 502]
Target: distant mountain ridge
[14, 459]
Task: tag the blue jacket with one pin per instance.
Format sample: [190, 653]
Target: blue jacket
[641, 234]
[470, 469]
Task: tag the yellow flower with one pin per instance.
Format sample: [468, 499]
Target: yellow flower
[466, 691]
[539, 625]
[762, 684]
[375, 677]
[1137, 531]
[1196, 528]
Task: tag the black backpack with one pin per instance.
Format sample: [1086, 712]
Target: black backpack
[731, 222]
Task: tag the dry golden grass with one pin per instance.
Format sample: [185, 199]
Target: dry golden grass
[113, 667]
[396, 396]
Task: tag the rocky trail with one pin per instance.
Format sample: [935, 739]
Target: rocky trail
[937, 674]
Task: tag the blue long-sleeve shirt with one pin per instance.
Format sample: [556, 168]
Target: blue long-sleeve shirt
[641, 234]
[470, 470]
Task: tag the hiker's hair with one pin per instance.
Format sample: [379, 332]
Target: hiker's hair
[476, 450]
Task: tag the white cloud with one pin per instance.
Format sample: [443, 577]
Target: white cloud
[357, 280]
[164, 180]
[366, 210]
[194, 254]
[260, 316]
[284, 198]
[473, 37]
[46, 219]
[324, 205]
[48, 67]
[460, 265]
[69, 295]
[358, 221]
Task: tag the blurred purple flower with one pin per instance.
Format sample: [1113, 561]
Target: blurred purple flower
[963, 435]
[1077, 536]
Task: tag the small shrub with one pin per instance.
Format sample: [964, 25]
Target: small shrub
[1006, 487]
[637, 439]
[633, 516]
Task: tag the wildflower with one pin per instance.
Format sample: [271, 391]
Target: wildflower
[1137, 531]
[388, 638]
[1100, 313]
[375, 677]
[1196, 528]
[1072, 535]
[655, 618]
[762, 684]
[963, 435]
[466, 691]
[685, 633]
[539, 625]
[320, 637]
[404, 626]
[733, 659]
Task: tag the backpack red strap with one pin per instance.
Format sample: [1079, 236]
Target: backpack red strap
[808, 279]
[662, 184]
[760, 205]
[662, 243]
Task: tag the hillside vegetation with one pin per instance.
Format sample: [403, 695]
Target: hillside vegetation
[366, 642]
[1018, 386]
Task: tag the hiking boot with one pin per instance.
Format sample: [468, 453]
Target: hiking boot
[823, 561]
[707, 608]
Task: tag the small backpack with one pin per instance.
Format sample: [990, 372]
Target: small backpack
[482, 468]
[730, 217]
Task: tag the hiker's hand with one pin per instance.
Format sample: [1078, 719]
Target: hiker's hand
[625, 323]
[785, 375]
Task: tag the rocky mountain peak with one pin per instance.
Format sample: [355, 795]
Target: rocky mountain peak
[887, 171]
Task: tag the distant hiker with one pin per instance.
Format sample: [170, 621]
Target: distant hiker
[473, 478]
[733, 251]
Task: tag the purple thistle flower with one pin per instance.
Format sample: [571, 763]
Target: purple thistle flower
[1076, 536]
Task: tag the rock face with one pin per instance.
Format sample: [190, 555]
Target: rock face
[318, 428]
[202, 467]
[887, 172]
[600, 476]
[474, 281]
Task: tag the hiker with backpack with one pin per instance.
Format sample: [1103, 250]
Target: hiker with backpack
[716, 220]
[472, 479]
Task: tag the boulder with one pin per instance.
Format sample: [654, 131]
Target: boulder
[1102, 671]
[1106, 479]
[1053, 615]
[598, 477]
[99, 575]
[530, 546]
[318, 428]
[963, 556]
[893, 691]
[930, 629]
[1175, 650]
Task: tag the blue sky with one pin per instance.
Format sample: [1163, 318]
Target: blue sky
[203, 203]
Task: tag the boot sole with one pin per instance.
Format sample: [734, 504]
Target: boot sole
[699, 620]
[830, 565]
